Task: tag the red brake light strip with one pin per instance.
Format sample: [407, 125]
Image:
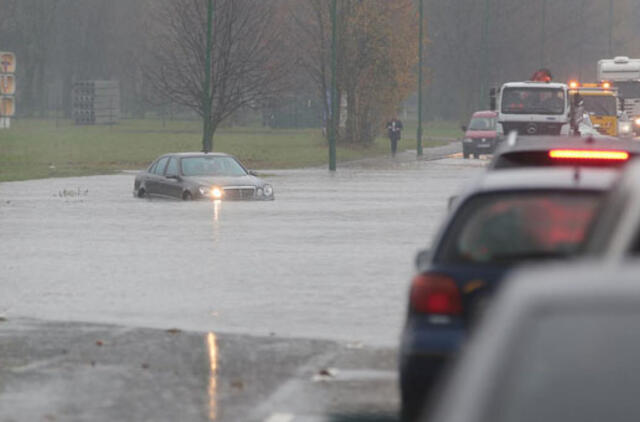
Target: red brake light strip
[588, 154]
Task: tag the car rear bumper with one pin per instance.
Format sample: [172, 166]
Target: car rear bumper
[425, 349]
[478, 146]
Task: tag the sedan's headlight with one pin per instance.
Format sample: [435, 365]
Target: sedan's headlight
[268, 190]
[259, 191]
[216, 192]
[213, 192]
[467, 140]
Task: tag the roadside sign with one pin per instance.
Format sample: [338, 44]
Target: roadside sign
[7, 106]
[7, 88]
[7, 84]
[7, 62]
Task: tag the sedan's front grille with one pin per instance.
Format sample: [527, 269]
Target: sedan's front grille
[239, 192]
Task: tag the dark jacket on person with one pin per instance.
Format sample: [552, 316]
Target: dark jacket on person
[394, 129]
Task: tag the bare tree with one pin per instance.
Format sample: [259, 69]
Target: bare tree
[248, 61]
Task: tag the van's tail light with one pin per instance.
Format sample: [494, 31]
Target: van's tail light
[435, 294]
[588, 154]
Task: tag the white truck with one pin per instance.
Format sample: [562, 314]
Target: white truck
[534, 108]
[624, 74]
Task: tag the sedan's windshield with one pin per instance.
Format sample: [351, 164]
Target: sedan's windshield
[508, 227]
[533, 101]
[213, 165]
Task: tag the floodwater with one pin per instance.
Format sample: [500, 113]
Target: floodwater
[330, 258]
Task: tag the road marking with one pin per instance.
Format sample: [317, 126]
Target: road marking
[280, 417]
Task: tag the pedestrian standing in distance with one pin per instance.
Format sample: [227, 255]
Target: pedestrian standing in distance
[394, 131]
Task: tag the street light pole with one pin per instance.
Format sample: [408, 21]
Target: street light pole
[206, 95]
[611, 28]
[485, 54]
[334, 92]
[419, 134]
[542, 32]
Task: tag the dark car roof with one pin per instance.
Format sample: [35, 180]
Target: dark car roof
[528, 294]
[485, 113]
[533, 150]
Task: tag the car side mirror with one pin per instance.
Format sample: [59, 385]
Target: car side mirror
[252, 173]
[422, 257]
[464, 128]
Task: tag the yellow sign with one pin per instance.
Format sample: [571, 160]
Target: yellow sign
[7, 106]
[7, 62]
[7, 84]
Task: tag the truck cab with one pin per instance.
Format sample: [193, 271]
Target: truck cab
[600, 102]
[534, 108]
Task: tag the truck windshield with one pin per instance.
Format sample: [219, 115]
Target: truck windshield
[600, 105]
[628, 89]
[533, 101]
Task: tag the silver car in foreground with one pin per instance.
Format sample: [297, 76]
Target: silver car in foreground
[559, 344]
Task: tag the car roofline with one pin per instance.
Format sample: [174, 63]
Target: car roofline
[543, 178]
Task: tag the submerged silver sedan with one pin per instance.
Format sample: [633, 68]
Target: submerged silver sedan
[198, 175]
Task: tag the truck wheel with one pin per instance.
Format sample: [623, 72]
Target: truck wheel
[465, 154]
[476, 155]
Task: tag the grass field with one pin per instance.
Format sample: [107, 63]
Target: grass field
[34, 149]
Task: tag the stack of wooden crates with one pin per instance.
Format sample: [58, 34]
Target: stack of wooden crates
[96, 102]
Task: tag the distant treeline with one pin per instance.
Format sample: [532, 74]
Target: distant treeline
[470, 46]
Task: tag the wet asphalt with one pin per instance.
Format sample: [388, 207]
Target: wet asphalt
[116, 308]
[92, 372]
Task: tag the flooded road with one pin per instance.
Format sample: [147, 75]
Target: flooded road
[330, 258]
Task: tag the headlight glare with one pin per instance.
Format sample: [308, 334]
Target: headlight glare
[216, 192]
[637, 121]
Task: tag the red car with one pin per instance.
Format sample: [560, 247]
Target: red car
[481, 136]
